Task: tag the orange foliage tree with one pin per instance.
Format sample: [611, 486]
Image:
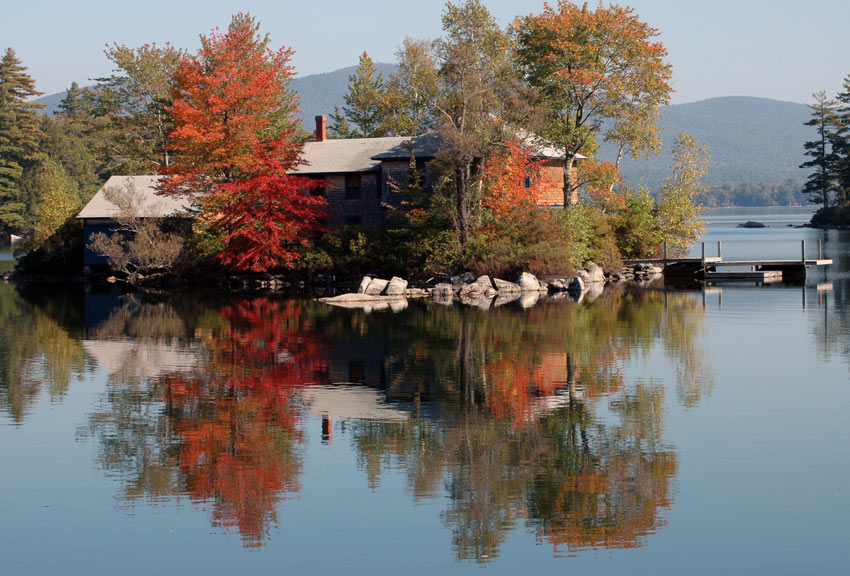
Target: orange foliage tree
[233, 123]
[593, 65]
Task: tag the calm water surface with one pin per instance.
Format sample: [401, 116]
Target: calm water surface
[698, 431]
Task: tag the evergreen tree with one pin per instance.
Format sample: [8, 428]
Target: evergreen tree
[822, 182]
[364, 110]
[839, 140]
[19, 137]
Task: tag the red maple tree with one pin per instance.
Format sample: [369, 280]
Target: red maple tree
[233, 149]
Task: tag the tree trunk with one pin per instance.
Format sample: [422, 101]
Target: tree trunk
[569, 186]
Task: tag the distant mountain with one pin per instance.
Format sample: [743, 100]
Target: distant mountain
[751, 140]
[318, 93]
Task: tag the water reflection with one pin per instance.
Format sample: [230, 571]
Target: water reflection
[520, 417]
[39, 347]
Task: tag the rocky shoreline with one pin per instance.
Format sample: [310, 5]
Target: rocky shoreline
[483, 291]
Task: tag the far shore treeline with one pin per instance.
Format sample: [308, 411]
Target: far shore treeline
[221, 125]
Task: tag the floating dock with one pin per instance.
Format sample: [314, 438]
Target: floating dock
[705, 267]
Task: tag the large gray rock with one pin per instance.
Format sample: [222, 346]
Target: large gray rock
[505, 287]
[364, 284]
[376, 287]
[396, 286]
[472, 290]
[595, 275]
[528, 282]
[485, 282]
[442, 290]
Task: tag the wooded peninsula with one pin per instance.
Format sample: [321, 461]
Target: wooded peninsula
[480, 150]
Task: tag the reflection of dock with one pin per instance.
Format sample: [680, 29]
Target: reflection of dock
[760, 270]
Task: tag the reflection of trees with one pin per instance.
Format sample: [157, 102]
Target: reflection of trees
[519, 417]
[518, 435]
[227, 432]
[39, 347]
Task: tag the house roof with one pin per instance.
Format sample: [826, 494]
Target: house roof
[345, 155]
[425, 146]
[150, 204]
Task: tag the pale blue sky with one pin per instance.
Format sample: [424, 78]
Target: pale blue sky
[781, 49]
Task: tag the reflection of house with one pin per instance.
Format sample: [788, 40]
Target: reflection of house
[359, 172]
[131, 360]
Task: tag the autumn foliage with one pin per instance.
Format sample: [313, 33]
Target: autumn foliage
[233, 117]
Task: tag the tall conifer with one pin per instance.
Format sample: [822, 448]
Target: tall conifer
[19, 137]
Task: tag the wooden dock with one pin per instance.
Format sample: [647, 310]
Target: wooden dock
[760, 270]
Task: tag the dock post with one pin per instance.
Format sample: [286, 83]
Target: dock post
[719, 250]
[803, 252]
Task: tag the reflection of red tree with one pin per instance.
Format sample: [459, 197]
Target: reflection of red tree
[238, 427]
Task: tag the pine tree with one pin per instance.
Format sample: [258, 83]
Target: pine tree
[839, 140]
[364, 110]
[19, 138]
[822, 182]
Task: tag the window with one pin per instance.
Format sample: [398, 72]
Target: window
[352, 185]
[356, 371]
[526, 182]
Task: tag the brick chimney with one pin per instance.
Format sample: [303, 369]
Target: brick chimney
[321, 128]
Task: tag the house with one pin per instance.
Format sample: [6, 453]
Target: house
[138, 198]
[359, 174]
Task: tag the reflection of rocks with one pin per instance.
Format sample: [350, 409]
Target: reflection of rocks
[367, 302]
[503, 299]
[529, 299]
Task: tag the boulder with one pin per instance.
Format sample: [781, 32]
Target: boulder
[364, 284]
[528, 282]
[505, 287]
[415, 293]
[376, 287]
[558, 285]
[442, 290]
[595, 275]
[576, 285]
[396, 286]
[472, 290]
[485, 282]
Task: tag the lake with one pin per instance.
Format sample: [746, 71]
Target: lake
[697, 430]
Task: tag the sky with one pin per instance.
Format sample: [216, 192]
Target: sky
[779, 49]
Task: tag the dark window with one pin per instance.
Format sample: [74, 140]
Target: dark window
[356, 371]
[526, 181]
[352, 185]
[353, 220]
